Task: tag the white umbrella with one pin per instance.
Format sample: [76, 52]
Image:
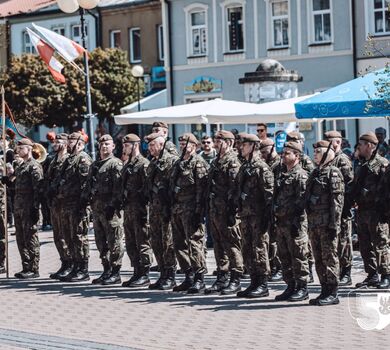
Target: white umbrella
[217, 111]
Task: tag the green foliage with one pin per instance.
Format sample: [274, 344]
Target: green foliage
[36, 98]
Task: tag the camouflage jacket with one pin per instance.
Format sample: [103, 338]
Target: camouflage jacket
[188, 184]
[324, 197]
[255, 184]
[306, 163]
[171, 148]
[343, 162]
[134, 181]
[52, 177]
[384, 195]
[2, 187]
[74, 174]
[289, 195]
[28, 182]
[274, 162]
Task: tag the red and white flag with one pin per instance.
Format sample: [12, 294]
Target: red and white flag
[66, 48]
[47, 54]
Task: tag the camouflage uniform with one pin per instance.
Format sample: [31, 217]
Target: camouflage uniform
[135, 213]
[104, 187]
[28, 180]
[307, 164]
[324, 204]
[171, 148]
[188, 188]
[2, 223]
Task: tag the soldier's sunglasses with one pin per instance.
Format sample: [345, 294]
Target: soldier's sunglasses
[260, 130]
[206, 142]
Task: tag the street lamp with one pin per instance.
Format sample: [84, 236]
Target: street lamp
[70, 6]
[138, 72]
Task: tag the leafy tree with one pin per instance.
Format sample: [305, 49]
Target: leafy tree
[36, 98]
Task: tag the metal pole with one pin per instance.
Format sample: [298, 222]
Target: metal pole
[5, 187]
[139, 102]
[90, 115]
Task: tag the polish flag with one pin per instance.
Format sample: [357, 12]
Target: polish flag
[47, 54]
[66, 48]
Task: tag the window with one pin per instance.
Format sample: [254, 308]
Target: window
[321, 21]
[77, 35]
[235, 29]
[115, 39]
[28, 47]
[59, 30]
[135, 45]
[160, 41]
[279, 22]
[381, 16]
[198, 36]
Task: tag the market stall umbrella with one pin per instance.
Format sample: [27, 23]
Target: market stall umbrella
[348, 100]
[216, 111]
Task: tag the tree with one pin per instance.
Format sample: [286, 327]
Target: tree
[36, 98]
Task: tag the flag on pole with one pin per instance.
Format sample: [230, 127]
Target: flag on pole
[47, 54]
[65, 47]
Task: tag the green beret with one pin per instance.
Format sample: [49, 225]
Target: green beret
[190, 137]
[131, 138]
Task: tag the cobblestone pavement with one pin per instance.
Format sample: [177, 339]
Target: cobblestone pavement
[44, 314]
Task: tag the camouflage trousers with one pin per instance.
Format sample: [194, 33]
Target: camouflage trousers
[293, 251]
[137, 237]
[255, 246]
[188, 240]
[59, 229]
[227, 243]
[2, 240]
[161, 239]
[373, 242]
[345, 250]
[27, 236]
[76, 233]
[324, 247]
[108, 236]
[274, 259]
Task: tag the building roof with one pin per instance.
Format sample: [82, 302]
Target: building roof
[113, 3]
[16, 7]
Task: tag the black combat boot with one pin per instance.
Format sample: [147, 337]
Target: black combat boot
[169, 281]
[324, 293]
[68, 269]
[384, 283]
[221, 282]
[142, 278]
[115, 276]
[73, 273]
[198, 285]
[372, 280]
[287, 292]
[276, 275]
[29, 274]
[106, 273]
[20, 273]
[157, 284]
[261, 290]
[132, 278]
[234, 285]
[345, 277]
[81, 274]
[187, 282]
[64, 266]
[331, 298]
[253, 285]
[301, 292]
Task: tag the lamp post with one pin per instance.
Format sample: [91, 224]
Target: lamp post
[138, 72]
[70, 6]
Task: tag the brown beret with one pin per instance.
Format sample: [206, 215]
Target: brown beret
[25, 142]
[190, 137]
[62, 136]
[77, 135]
[369, 137]
[333, 134]
[293, 145]
[245, 137]
[323, 144]
[105, 138]
[224, 135]
[153, 136]
[159, 125]
[266, 143]
[293, 136]
[131, 138]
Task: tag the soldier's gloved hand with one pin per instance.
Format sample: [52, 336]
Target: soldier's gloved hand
[35, 215]
[110, 211]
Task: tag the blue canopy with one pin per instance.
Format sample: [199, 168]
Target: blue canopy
[348, 100]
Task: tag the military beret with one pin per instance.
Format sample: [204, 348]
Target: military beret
[25, 142]
[333, 134]
[245, 137]
[77, 135]
[62, 136]
[380, 130]
[294, 136]
[369, 137]
[224, 135]
[159, 125]
[293, 145]
[266, 143]
[153, 136]
[190, 137]
[323, 144]
[131, 138]
[105, 138]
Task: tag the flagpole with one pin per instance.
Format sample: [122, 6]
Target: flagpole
[5, 187]
[90, 115]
